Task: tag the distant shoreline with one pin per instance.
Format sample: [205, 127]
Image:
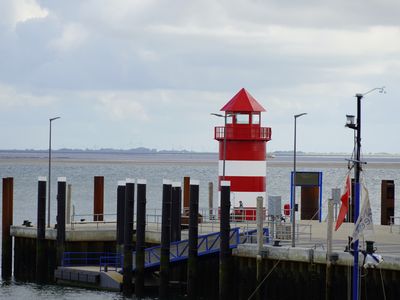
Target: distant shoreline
[195, 159]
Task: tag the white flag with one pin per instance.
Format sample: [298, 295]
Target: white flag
[364, 225]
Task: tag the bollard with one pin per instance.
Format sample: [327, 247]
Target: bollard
[7, 221]
[192, 275]
[128, 232]
[41, 232]
[210, 200]
[165, 238]
[120, 215]
[176, 212]
[225, 251]
[140, 237]
[98, 198]
[69, 197]
[61, 195]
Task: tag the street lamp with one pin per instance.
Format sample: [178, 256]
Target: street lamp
[294, 183]
[224, 156]
[49, 186]
[357, 168]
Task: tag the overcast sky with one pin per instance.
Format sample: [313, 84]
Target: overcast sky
[147, 73]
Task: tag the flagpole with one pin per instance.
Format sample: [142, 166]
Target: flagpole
[357, 169]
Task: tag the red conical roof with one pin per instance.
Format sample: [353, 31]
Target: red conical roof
[243, 102]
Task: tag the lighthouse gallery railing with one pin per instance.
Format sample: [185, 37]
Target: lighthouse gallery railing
[242, 133]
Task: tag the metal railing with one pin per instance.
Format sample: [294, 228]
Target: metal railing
[83, 258]
[209, 221]
[91, 219]
[394, 224]
[242, 133]
[179, 250]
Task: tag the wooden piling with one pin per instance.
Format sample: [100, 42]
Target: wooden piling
[7, 221]
[128, 232]
[41, 231]
[186, 195]
[210, 199]
[120, 215]
[69, 201]
[176, 208]
[192, 276]
[165, 239]
[225, 251]
[140, 237]
[98, 198]
[61, 199]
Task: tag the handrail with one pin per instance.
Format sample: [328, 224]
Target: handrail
[207, 244]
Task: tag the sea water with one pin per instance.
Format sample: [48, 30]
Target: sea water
[80, 168]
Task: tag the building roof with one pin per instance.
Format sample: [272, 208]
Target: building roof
[243, 102]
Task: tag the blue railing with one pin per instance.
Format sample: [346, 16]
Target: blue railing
[83, 258]
[207, 244]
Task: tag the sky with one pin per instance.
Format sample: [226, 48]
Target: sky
[147, 73]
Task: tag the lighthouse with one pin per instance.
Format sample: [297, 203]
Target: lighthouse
[242, 150]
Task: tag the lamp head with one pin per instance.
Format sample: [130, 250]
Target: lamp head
[350, 121]
[299, 115]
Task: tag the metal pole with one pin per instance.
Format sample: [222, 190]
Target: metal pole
[260, 243]
[357, 168]
[294, 183]
[328, 280]
[224, 156]
[294, 189]
[49, 186]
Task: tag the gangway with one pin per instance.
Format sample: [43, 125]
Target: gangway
[179, 250]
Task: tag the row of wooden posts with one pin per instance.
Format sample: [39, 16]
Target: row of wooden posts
[170, 231]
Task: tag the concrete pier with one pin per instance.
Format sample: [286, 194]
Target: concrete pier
[304, 266]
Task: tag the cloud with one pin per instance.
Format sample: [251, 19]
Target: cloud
[14, 12]
[119, 107]
[72, 36]
[11, 98]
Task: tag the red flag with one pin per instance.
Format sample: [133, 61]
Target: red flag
[345, 203]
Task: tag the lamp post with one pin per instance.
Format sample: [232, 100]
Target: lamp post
[294, 183]
[224, 156]
[357, 169]
[49, 185]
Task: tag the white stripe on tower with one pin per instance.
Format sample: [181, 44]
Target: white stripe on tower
[243, 168]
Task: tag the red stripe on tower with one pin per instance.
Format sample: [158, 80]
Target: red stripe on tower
[242, 149]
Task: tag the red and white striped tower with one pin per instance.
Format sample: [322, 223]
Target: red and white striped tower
[242, 149]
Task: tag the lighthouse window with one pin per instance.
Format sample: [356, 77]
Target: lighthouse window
[242, 119]
[255, 119]
[229, 119]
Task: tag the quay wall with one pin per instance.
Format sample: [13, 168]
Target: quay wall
[286, 273]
